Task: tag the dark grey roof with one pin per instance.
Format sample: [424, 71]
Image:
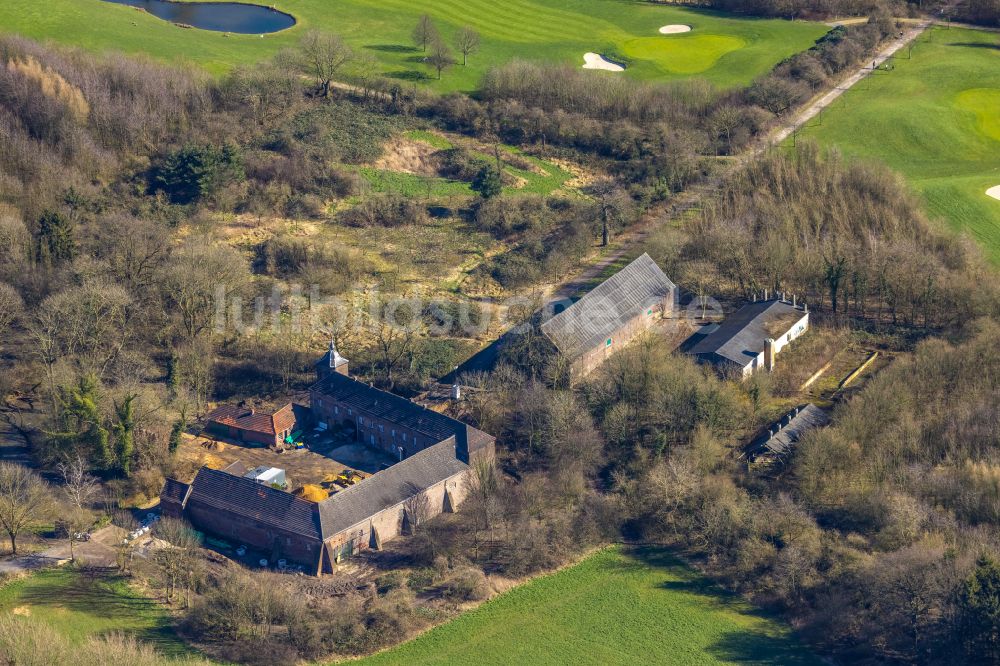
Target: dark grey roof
[275, 508]
[174, 491]
[740, 338]
[606, 308]
[388, 406]
[389, 487]
[790, 429]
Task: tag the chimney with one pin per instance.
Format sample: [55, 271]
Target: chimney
[456, 392]
[769, 354]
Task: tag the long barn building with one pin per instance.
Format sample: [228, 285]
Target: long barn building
[612, 314]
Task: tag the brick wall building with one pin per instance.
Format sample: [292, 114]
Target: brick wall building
[612, 314]
[252, 426]
[435, 454]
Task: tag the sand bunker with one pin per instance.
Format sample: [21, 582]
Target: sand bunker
[674, 29]
[994, 192]
[597, 61]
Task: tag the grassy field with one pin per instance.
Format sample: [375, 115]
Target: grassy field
[935, 118]
[78, 605]
[612, 608]
[727, 51]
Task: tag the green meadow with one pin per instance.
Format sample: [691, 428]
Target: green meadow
[78, 605]
[935, 118]
[615, 607]
[726, 50]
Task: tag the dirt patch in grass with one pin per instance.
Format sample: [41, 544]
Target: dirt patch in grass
[407, 155]
[581, 177]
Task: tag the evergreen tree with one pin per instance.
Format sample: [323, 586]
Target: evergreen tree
[177, 430]
[82, 423]
[488, 182]
[124, 431]
[197, 171]
[56, 238]
[979, 612]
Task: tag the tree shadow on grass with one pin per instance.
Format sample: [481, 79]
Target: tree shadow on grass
[391, 48]
[976, 45]
[100, 593]
[409, 75]
[749, 647]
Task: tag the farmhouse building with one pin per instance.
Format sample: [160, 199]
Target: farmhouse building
[382, 420]
[250, 426]
[752, 337]
[435, 454]
[611, 315]
[782, 436]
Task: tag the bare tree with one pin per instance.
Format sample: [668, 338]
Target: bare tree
[79, 486]
[176, 560]
[467, 43]
[263, 91]
[134, 258]
[396, 329]
[85, 325]
[24, 500]
[425, 32]
[615, 209]
[417, 507]
[198, 274]
[15, 240]
[126, 546]
[76, 520]
[724, 121]
[440, 58]
[322, 55]
[484, 491]
[10, 307]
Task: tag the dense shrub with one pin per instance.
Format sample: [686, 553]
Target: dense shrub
[344, 132]
[385, 210]
[194, 172]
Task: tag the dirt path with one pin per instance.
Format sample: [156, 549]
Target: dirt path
[99, 551]
[814, 108]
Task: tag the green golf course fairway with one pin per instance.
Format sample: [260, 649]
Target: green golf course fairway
[935, 118]
[612, 608]
[728, 51]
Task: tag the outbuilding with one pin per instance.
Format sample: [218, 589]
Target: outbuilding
[249, 425]
[751, 338]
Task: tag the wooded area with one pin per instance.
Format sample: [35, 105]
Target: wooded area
[120, 178]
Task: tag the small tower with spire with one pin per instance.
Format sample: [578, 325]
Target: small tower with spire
[332, 362]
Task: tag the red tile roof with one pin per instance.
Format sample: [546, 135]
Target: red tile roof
[268, 423]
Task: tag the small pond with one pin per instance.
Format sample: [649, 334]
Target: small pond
[218, 16]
